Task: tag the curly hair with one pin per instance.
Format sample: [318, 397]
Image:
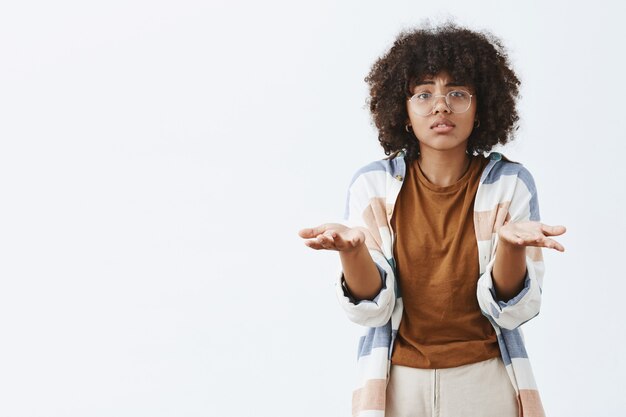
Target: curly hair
[477, 59]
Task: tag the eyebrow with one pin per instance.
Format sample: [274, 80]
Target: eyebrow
[450, 84]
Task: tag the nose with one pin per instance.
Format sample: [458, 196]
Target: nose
[440, 104]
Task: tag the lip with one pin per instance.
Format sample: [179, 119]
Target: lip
[442, 121]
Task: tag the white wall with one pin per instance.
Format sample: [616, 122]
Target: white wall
[158, 158]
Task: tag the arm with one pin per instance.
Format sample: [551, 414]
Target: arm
[509, 292]
[362, 277]
[510, 268]
[365, 283]
[364, 267]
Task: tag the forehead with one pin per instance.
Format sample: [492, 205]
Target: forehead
[442, 77]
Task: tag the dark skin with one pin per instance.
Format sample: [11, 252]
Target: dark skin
[508, 271]
[359, 270]
[510, 266]
[443, 160]
[471, 57]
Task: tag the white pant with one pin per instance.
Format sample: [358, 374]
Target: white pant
[481, 389]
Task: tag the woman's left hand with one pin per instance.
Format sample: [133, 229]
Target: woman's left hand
[531, 233]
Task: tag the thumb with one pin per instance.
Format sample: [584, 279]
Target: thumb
[311, 231]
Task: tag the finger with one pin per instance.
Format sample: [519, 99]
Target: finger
[310, 232]
[313, 244]
[522, 238]
[330, 233]
[319, 242]
[553, 244]
[352, 238]
[529, 239]
[553, 230]
[326, 242]
[337, 241]
[343, 242]
[340, 237]
[538, 239]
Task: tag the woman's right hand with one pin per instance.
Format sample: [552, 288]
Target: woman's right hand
[333, 236]
[362, 278]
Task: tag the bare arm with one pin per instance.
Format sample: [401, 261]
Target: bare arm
[359, 270]
[509, 268]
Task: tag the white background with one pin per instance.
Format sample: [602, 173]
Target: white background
[157, 159]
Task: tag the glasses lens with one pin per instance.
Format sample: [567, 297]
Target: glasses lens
[459, 101]
[422, 103]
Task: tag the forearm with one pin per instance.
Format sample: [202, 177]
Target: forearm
[360, 272]
[509, 270]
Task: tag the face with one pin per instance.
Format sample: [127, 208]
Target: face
[441, 129]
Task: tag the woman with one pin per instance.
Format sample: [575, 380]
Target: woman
[441, 254]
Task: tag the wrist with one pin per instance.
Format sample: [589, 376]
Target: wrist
[509, 246]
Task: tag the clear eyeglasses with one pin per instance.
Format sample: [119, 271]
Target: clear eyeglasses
[458, 101]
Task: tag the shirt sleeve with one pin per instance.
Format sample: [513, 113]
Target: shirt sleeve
[526, 304]
[375, 312]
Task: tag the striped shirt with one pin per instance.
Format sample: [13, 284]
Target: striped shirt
[506, 193]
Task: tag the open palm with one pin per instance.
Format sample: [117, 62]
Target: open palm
[531, 233]
[333, 236]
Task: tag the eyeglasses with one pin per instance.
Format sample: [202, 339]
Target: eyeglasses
[458, 101]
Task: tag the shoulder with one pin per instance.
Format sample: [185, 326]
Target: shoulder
[376, 173]
[511, 182]
[501, 168]
[371, 181]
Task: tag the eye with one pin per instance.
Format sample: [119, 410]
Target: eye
[422, 96]
[458, 94]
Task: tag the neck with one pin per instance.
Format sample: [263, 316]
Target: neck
[443, 168]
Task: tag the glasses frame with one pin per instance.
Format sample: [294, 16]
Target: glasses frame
[445, 96]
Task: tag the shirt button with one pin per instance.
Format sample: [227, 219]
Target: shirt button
[399, 177]
[389, 210]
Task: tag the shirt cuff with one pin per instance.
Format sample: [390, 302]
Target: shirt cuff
[515, 299]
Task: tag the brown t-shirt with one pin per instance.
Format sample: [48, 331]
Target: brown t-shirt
[437, 259]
